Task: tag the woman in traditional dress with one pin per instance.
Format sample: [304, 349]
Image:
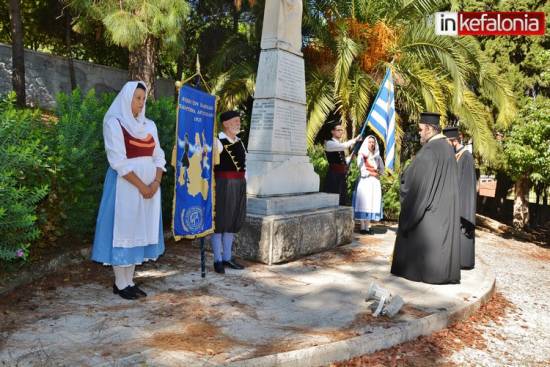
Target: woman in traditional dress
[129, 224]
[367, 199]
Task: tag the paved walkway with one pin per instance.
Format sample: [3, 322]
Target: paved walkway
[307, 312]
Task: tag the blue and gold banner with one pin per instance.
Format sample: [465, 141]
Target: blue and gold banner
[193, 196]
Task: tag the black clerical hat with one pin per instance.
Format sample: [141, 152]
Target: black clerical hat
[451, 132]
[430, 118]
[228, 115]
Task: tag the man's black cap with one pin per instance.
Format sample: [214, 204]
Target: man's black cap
[228, 115]
[451, 132]
[430, 118]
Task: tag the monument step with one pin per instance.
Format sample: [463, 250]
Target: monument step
[285, 204]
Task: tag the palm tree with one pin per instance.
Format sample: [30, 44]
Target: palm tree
[351, 43]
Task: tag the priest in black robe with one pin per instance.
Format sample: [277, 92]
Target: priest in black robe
[467, 197]
[427, 247]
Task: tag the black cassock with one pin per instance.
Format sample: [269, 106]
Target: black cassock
[427, 247]
[467, 198]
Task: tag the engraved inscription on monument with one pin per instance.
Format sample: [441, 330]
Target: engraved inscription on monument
[290, 134]
[278, 126]
[290, 78]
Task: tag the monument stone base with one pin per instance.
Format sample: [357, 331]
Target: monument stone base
[278, 238]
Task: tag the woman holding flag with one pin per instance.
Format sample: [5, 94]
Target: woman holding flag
[367, 198]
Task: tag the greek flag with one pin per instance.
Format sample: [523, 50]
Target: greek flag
[381, 118]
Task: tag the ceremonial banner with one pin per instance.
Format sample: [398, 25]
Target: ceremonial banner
[193, 214]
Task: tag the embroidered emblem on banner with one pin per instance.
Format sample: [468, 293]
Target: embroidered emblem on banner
[192, 219]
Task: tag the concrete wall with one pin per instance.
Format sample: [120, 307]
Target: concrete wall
[46, 75]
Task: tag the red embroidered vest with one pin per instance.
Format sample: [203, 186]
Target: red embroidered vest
[138, 147]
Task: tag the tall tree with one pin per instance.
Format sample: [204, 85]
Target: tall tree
[17, 52]
[141, 26]
[527, 153]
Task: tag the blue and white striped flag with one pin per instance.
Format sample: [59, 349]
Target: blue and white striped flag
[381, 118]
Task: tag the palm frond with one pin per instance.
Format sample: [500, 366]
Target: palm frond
[235, 86]
[477, 121]
[320, 104]
[417, 9]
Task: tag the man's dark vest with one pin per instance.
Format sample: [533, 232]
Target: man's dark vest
[336, 157]
[233, 157]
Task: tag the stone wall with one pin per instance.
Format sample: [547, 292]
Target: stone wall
[46, 75]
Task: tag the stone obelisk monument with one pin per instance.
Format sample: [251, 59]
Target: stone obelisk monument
[287, 216]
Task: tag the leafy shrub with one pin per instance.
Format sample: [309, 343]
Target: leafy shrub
[77, 164]
[320, 164]
[390, 196]
[22, 183]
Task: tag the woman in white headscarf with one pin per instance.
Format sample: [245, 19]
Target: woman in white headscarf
[129, 224]
[367, 199]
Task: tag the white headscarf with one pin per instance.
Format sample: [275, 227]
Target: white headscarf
[364, 150]
[121, 109]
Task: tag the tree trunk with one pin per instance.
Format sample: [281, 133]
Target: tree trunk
[504, 184]
[538, 209]
[521, 204]
[142, 64]
[70, 62]
[17, 53]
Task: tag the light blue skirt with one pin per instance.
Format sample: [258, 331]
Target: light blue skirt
[103, 250]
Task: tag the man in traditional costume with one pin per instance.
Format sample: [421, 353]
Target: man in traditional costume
[129, 224]
[427, 247]
[230, 191]
[367, 198]
[335, 152]
[467, 198]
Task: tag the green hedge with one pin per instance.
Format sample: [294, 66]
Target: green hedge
[22, 181]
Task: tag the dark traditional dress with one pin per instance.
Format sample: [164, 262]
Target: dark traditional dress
[335, 181]
[230, 186]
[427, 247]
[467, 198]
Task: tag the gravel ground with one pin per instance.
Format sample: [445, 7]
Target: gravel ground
[522, 336]
[513, 329]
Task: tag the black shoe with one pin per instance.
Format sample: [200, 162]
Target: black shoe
[218, 267]
[233, 265]
[138, 292]
[363, 231]
[126, 293]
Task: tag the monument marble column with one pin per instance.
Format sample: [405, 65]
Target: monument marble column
[287, 216]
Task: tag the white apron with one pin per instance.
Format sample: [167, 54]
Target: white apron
[136, 219]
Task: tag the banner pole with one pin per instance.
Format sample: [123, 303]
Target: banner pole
[203, 259]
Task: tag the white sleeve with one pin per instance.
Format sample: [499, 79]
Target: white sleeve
[158, 153]
[335, 146]
[220, 145]
[115, 148]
